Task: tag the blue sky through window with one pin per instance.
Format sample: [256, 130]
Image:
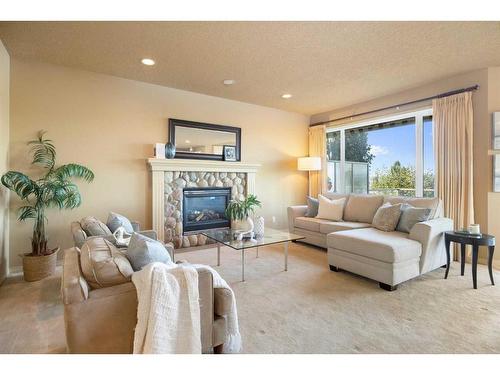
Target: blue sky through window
[398, 143]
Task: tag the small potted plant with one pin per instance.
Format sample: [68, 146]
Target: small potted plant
[54, 189]
[238, 211]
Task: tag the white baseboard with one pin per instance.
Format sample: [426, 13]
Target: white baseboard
[15, 271]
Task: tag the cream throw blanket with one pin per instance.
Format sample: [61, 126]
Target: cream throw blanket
[168, 312]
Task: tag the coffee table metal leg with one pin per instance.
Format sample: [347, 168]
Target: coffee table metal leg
[218, 254]
[286, 256]
[243, 265]
[257, 252]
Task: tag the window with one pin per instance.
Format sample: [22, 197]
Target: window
[428, 179]
[333, 157]
[390, 156]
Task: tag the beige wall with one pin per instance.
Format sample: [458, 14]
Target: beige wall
[486, 203]
[4, 148]
[110, 124]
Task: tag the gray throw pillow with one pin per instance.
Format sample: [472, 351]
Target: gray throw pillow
[410, 216]
[312, 207]
[387, 216]
[143, 250]
[116, 220]
[94, 227]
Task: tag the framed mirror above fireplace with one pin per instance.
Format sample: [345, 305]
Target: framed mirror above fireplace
[199, 140]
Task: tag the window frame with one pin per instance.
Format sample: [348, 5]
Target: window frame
[419, 144]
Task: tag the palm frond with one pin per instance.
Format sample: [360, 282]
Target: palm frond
[27, 212]
[61, 194]
[19, 183]
[73, 170]
[240, 210]
[44, 151]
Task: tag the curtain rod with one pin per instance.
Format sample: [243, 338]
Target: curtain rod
[443, 95]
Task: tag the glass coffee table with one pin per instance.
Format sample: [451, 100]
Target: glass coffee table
[226, 237]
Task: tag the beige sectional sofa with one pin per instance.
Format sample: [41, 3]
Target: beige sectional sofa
[388, 257]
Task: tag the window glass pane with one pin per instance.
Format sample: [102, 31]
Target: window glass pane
[333, 158]
[382, 158]
[428, 153]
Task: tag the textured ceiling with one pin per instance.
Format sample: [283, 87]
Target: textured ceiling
[325, 65]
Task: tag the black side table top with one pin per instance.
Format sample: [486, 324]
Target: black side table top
[471, 239]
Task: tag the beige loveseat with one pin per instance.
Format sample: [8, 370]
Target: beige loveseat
[388, 257]
[101, 318]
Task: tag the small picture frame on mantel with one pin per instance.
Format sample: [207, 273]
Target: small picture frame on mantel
[496, 130]
[229, 153]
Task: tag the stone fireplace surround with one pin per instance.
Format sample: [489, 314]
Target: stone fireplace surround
[171, 176]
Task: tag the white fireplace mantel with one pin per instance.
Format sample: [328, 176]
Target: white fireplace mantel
[193, 165]
[158, 168]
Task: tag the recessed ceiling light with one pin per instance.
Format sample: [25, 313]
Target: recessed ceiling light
[286, 96]
[229, 82]
[188, 141]
[148, 62]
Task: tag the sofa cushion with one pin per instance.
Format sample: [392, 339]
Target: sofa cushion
[143, 250]
[335, 226]
[103, 265]
[116, 221]
[94, 227]
[330, 209]
[410, 216]
[361, 208]
[309, 223]
[389, 247]
[332, 195]
[387, 216]
[432, 203]
[312, 207]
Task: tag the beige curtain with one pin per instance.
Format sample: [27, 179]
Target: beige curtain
[453, 128]
[317, 147]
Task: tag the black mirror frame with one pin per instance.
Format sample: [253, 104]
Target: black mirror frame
[172, 123]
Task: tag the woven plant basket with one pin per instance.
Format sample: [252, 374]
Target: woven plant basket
[39, 267]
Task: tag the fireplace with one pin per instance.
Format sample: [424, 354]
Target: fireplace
[203, 208]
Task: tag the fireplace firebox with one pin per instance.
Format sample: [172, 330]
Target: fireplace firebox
[204, 208]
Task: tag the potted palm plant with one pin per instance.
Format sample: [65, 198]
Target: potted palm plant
[54, 189]
[238, 211]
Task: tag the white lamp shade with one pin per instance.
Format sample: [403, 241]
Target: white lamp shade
[309, 163]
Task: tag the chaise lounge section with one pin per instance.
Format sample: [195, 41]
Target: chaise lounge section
[387, 257]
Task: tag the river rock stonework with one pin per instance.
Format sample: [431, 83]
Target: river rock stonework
[175, 182]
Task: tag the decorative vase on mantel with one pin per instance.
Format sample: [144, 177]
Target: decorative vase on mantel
[169, 150]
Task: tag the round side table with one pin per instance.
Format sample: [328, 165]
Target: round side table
[475, 241]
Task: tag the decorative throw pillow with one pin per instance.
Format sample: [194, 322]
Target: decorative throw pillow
[312, 207]
[116, 220]
[103, 264]
[412, 215]
[94, 227]
[387, 216]
[143, 250]
[330, 209]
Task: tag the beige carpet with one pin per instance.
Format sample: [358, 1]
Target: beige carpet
[308, 309]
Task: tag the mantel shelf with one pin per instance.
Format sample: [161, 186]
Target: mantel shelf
[193, 165]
